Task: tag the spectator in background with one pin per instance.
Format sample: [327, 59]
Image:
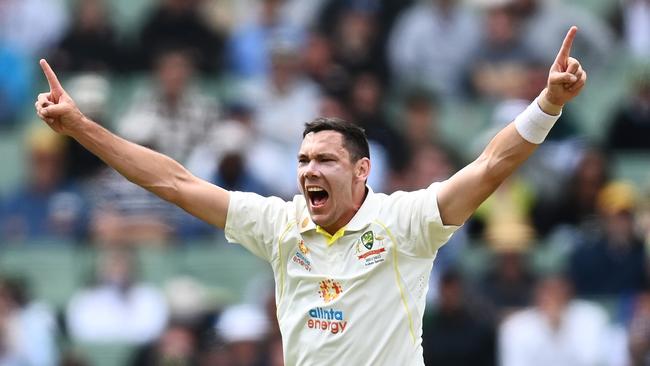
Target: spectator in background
[275, 352]
[92, 92]
[215, 354]
[639, 330]
[118, 307]
[431, 44]
[382, 15]
[90, 44]
[320, 66]
[281, 103]
[630, 127]
[366, 106]
[243, 329]
[124, 214]
[574, 206]
[512, 201]
[419, 118]
[228, 14]
[455, 333]
[250, 44]
[557, 330]
[359, 29]
[27, 328]
[45, 207]
[31, 27]
[498, 64]
[15, 84]
[509, 281]
[643, 215]
[428, 163]
[172, 116]
[191, 304]
[233, 170]
[333, 105]
[613, 261]
[178, 24]
[355, 39]
[177, 345]
[543, 21]
[190, 326]
[225, 161]
[631, 19]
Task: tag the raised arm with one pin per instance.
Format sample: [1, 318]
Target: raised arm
[461, 194]
[153, 171]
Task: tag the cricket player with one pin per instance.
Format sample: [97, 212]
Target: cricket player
[351, 266]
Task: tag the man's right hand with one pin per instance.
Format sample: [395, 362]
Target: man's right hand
[56, 108]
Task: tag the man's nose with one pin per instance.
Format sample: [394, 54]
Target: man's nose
[311, 169]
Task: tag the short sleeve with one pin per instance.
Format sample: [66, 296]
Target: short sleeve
[256, 222]
[417, 221]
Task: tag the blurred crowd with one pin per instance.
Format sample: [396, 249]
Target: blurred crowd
[551, 270]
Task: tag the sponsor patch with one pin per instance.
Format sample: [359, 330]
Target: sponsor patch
[329, 290]
[326, 320]
[365, 251]
[302, 261]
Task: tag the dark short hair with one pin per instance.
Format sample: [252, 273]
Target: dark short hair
[354, 137]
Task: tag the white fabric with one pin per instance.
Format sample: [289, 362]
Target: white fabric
[172, 130]
[105, 314]
[243, 323]
[636, 15]
[527, 339]
[346, 301]
[32, 26]
[30, 337]
[533, 124]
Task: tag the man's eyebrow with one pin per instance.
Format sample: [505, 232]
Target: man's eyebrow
[317, 156]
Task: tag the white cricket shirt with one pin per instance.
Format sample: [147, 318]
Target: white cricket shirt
[354, 298]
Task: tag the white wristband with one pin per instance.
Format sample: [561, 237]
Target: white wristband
[533, 124]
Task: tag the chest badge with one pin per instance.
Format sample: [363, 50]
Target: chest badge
[370, 256]
[368, 239]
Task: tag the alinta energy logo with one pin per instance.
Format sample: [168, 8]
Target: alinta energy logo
[300, 257]
[327, 320]
[329, 290]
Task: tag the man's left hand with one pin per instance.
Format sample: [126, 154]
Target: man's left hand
[565, 79]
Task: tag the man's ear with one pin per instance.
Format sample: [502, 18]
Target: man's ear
[362, 168]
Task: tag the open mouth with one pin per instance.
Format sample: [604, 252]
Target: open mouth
[317, 196]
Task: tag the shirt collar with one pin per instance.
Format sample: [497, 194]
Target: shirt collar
[359, 221]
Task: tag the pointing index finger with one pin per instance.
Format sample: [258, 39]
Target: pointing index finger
[565, 51]
[52, 80]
